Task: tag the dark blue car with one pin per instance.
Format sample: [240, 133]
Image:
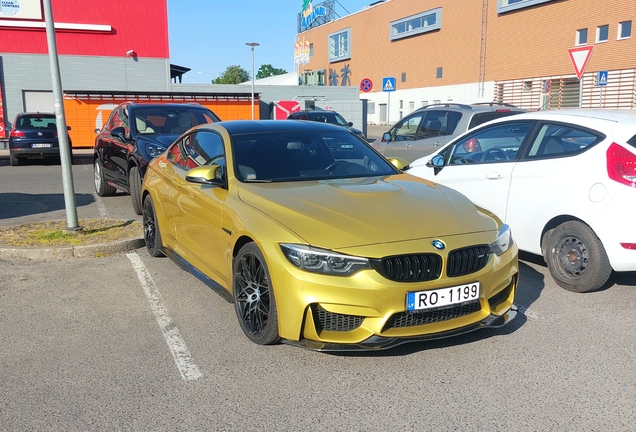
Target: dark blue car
[34, 136]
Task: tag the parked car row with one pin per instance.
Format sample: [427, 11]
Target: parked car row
[322, 241]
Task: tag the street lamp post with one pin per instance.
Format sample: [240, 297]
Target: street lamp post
[252, 45]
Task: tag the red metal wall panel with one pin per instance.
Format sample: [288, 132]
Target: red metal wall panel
[138, 25]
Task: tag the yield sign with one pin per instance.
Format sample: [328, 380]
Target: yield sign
[580, 56]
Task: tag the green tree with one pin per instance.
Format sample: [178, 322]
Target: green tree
[232, 75]
[267, 70]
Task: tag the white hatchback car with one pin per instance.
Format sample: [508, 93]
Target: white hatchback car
[565, 182]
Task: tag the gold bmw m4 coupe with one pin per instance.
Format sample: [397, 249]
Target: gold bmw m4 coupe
[321, 242]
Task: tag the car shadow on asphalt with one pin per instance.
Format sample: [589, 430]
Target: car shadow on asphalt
[531, 284]
[15, 205]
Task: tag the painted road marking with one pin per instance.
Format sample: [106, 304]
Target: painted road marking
[185, 363]
[101, 207]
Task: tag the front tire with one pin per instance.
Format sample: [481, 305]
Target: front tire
[576, 258]
[152, 235]
[101, 187]
[134, 181]
[253, 296]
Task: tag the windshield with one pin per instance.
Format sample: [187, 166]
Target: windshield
[306, 155]
[171, 119]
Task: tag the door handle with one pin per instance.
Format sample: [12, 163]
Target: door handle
[494, 176]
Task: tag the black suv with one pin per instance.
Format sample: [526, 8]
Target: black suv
[34, 136]
[323, 116]
[429, 127]
[132, 136]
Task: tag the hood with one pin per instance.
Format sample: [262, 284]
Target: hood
[356, 212]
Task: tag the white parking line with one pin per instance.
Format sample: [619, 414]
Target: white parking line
[188, 369]
[101, 207]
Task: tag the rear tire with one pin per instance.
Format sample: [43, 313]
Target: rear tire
[101, 187]
[576, 258]
[134, 182]
[13, 160]
[152, 235]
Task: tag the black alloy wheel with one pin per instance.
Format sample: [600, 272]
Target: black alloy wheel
[134, 182]
[253, 296]
[152, 235]
[576, 257]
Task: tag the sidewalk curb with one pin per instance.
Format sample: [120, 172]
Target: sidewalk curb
[83, 251]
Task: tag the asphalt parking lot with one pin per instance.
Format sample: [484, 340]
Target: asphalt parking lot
[131, 342]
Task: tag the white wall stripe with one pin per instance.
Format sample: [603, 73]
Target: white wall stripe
[188, 369]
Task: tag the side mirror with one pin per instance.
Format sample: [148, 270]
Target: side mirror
[207, 175]
[350, 123]
[119, 132]
[386, 136]
[399, 163]
[68, 128]
[437, 162]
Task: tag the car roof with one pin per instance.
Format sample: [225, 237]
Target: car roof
[617, 115]
[36, 113]
[268, 126]
[476, 107]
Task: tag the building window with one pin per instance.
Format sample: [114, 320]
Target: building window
[581, 36]
[340, 45]
[509, 5]
[602, 33]
[311, 50]
[440, 72]
[416, 24]
[412, 106]
[403, 76]
[527, 86]
[624, 30]
[401, 104]
[424, 103]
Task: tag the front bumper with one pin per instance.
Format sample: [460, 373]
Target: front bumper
[368, 311]
[381, 343]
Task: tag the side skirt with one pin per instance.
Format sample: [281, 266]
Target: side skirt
[185, 265]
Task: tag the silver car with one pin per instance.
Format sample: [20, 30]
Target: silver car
[428, 128]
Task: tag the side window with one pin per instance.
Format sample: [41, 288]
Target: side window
[497, 143]
[439, 123]
[176, 157]
[480, 118]
[406, 130]
[558, 139]
[205, 148]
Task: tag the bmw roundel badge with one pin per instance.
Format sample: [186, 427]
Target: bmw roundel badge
[438, 244]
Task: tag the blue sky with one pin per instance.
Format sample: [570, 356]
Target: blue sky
[207, 36]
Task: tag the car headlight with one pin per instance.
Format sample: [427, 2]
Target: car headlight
[323, 261]
[503, 242]
[154, 150]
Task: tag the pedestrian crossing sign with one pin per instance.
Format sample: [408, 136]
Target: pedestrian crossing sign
[602, 78]
[388, 84]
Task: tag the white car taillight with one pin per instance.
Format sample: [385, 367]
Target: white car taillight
[621, 165]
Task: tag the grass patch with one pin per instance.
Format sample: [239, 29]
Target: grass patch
[56, 234]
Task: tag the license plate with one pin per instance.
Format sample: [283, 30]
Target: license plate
[41, 145]
[442, 297]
